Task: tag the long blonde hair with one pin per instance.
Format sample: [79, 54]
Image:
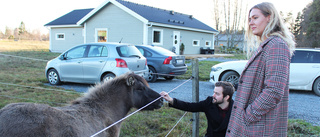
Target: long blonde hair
[275, 27]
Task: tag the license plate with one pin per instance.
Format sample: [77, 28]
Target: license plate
[179, 61]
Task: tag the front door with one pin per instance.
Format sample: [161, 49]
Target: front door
[176, 42]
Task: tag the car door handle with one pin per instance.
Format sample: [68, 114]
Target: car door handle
[79, 62]
[101, 61]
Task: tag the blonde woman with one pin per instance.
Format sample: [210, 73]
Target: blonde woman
[261, 103]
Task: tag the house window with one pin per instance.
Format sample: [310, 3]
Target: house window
[157, 37]
[196, 42]
[60, 36]
[208, 43]
[101, 35]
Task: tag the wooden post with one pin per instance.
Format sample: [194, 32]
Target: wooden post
[195, 96]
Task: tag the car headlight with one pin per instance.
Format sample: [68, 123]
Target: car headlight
[215, 69]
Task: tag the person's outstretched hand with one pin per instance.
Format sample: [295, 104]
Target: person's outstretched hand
[166, 96]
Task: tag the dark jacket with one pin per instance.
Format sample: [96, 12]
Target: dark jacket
[216, 125]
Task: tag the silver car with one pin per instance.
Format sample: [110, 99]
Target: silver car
[162, 62]
[95, 62]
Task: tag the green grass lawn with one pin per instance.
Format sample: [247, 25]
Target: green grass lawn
[22, 80]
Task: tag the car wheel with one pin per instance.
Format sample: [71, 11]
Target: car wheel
[151, 77]
[232, 77]
[316, 87]
[53, 77]
[108, 77]
[169, 77]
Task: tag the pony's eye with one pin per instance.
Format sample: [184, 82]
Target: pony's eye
[143, 88]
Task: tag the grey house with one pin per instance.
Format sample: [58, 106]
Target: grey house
[117, 20]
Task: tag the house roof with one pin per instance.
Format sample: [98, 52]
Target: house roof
[166, 16]
[70, 18]
[142, 12]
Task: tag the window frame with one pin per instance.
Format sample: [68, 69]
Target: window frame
[206, 43]
[96, 34]
[198, 43]
[160, 39]
[64, 36]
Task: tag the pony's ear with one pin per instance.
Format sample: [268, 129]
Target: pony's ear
[130, 81]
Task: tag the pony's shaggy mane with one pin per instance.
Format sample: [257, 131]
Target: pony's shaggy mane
[98, 90]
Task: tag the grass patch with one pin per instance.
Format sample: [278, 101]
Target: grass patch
[158, 123]
[11, 45]
[238, 56]
[23, 75]
[204, 70]
[301, 128]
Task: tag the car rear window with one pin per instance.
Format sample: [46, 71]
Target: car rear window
[305, 57]
[163, 51]
[128, 51]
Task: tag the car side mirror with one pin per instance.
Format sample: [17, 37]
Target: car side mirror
[63, 57]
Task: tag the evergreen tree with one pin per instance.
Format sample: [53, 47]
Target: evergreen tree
[22, 30]
[297, 25]
[313, 29]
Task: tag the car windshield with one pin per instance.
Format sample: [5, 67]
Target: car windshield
[163, 51]
[128, 51]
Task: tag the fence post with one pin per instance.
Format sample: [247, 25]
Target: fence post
[195, 96]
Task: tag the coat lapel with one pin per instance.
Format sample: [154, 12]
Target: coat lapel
[262, 45]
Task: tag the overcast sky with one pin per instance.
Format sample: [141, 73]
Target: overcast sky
[36, 13]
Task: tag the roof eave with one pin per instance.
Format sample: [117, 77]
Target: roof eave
[184, 28]
[64, 26]
[91, 13]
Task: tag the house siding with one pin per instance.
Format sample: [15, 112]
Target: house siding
[72, 37]
[120, 25]
[186, 37]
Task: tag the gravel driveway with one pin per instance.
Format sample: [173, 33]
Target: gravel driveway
[302, 104]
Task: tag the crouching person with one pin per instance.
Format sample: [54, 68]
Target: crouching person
[217, 108]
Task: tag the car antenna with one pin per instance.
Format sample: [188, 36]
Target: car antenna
[120, 40]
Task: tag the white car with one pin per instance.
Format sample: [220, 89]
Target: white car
[304, 71]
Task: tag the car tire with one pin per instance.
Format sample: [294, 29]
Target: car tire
[108, 76]
[53, 77]
[232, 77]
[169, 77]
[151, 77]
[316, 86]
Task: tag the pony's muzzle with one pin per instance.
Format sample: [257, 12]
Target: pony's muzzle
[161, 103]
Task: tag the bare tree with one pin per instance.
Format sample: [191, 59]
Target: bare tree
[16, 33]
[8, 33]
[36, 34]
[2, 35]
[233, 14]
[216, 14]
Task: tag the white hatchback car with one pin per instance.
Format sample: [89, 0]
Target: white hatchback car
[304, 71]
[95, 62]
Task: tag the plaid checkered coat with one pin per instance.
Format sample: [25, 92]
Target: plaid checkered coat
[261, 104]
